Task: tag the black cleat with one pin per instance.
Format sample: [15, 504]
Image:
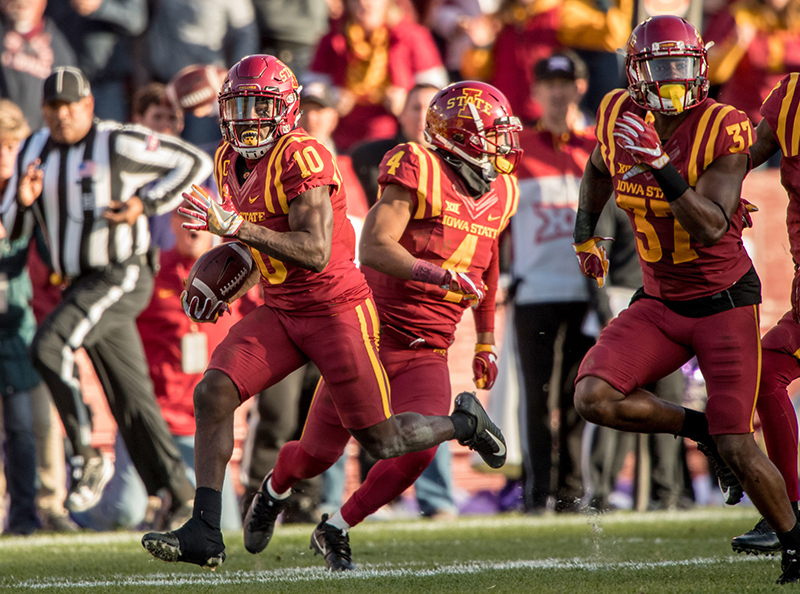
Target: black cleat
[487, 440]
[194, 542]
[259, 522]
[790, 565]
[333, 544]
[761, 540]
[732, 491]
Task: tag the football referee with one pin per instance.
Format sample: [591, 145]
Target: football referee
[78, 178]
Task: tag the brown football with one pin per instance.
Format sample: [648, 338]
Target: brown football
[196, 86]
[219, 273]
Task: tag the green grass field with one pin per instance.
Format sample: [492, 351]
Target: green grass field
[660, 552]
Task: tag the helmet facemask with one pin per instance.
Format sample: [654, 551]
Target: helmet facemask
[670, 78]
[491, 151]
[252, 121]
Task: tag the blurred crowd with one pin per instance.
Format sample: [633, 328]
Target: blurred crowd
[368, 67]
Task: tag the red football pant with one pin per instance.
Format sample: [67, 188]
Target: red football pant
[420, 382]
[778, 418]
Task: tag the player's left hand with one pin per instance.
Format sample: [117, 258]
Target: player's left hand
[484, 366]
[640, 140]
[212, 216]
[470, 287]
[796, 295]
[593, 259]
[203, 313]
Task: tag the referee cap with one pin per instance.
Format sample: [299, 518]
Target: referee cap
[66, 83]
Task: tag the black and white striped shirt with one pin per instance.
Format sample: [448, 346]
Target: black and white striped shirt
[111, 163]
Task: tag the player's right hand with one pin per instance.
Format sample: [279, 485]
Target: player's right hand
[640, 139]
[213, 217]
[470, 288]
[593, 259]
[206, 312]
[796, 295]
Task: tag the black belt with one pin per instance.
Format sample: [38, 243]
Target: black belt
[407, 339]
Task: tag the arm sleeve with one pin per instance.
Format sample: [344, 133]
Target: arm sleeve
[142, 157]
[484, 314]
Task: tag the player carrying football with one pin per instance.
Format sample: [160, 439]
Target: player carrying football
[778, 130]
[440, 210]
[283, 197]
[675, 161]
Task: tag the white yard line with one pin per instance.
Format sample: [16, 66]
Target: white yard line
[313, 574]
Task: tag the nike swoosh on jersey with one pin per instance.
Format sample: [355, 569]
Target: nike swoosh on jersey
[501, 446]
[491, 218]
[252, 199]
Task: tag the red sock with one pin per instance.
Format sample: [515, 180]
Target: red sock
[385, 482]
[293, 464]
[778, 419]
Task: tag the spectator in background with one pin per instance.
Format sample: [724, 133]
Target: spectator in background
[153, 110]
[551, 296]
[532, 29]
[101, 33]
[367, 156]
[756, 44]
[460, 26]
[371, 63]
[17, 326]
[187, 32]
[32, 46]
[290, 30]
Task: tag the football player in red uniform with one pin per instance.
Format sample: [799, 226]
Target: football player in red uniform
[778, 131]
[675, 161]
[284, 199]
[436, 224]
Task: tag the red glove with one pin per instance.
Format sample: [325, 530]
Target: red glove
[796, 295]
[593, 259]
[484, 366]
[207, 312]
[470, 287]
[640, 140]
[747, 220]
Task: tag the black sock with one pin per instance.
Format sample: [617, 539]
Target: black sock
[463, 424]
[695, 426]
[208, 506]
[790, 541]
[794, 506]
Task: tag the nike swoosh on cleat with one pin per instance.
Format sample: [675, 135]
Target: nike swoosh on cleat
[322, 547]
[501, 447]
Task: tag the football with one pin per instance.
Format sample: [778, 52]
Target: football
[219, 273]
[196, 86]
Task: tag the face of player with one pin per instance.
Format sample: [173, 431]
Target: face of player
[69, 122]
[412, 118]
[556, 96]
[189, 244]
[163, 119]
[318, 121]
[8, 154]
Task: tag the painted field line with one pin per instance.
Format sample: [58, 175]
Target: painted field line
[314, 574]
[467, 523]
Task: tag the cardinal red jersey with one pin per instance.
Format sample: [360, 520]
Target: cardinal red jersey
[675, 266]
[780, 109]
[448, 228]
[296, 163]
